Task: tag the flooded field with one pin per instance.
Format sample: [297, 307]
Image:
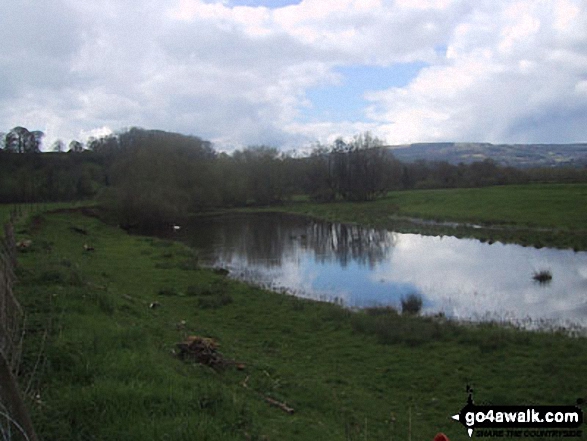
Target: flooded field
[362, 267]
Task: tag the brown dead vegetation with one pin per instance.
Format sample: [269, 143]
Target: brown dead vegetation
[202, 350]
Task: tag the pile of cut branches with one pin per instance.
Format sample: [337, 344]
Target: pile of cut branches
[201, 350]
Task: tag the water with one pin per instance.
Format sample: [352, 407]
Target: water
[362, 267]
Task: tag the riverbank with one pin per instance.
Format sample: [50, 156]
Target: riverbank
[541, 215]
[105, 311]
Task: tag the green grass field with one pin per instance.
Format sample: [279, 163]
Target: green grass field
[22, 211]
[539, 214]
[98, 362]
[548, 206]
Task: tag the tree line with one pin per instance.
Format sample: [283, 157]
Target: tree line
[151, 178]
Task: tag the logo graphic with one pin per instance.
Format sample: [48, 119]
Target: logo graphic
[519, 417]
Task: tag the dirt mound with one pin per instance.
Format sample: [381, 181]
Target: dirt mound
[202, 350]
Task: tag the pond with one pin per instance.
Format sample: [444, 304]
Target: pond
[362, 267]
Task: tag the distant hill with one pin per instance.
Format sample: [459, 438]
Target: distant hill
[515, 155]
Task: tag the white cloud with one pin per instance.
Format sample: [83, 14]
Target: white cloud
[467, 278]
[512, 71]
[423, 4]
[511, 74]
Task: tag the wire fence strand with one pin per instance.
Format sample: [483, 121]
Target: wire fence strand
[16, 421]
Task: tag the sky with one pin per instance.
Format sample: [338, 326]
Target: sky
[290, 73]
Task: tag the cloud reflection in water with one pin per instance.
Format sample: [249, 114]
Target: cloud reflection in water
[361, 267]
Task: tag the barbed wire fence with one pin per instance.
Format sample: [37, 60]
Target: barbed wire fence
[15, 422]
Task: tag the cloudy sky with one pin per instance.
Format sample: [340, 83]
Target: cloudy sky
[290, 72]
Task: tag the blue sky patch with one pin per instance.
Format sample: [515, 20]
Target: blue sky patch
[365, 291]
[345, 101]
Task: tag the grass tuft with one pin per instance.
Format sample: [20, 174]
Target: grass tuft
[542, 276]
[210, 296]
[411, 304]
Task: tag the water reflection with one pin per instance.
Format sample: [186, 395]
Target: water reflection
[271, 240]
[348, 243]
[362, 267]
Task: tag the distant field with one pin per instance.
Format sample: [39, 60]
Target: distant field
[527, 209]
[549, 206]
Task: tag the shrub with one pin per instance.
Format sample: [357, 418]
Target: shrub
[147, 206]
[543, 276]
[411, 304]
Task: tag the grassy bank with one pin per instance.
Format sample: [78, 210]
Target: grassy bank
[102, 327]
[26, 210]
[540, 214]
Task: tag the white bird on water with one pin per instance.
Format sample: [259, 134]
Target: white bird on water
[176, 228]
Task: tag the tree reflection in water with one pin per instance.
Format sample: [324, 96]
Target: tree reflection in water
[269, 239]
[363, 267]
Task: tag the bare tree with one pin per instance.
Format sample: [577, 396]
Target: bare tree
[58, 146]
